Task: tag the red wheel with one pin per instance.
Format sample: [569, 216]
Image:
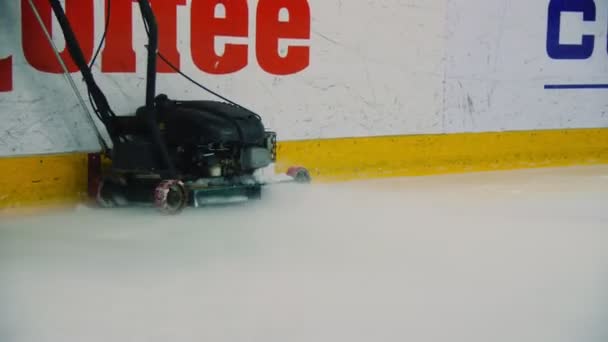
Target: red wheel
[170, 197]
[299, 174]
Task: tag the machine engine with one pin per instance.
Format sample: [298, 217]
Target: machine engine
[204, 139]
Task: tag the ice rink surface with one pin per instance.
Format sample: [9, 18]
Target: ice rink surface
[494, 257]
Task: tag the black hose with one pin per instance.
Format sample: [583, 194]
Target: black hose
[101, 103]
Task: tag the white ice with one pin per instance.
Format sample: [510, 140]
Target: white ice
[516, 256]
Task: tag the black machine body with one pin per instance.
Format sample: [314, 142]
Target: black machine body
[203, 139]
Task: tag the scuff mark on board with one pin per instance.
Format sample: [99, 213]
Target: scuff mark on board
[470, 104]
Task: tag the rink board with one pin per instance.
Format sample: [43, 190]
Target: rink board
[419, 155]
[62, 179]
[43, 181]
[354, 89]
[350, 69]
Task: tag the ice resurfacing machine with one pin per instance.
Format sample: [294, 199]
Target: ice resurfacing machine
[171, 153]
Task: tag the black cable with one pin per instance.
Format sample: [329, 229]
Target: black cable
[94, 107]
[79, 59]
[98, 50]
[177, 70]
[105, 31]
[92, 63]
[202, 86]
[225, 117]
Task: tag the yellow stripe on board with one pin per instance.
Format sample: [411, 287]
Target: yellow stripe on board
[58, 180]
[418, 155]
[43, 181]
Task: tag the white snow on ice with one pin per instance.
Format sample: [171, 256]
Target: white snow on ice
[494, 257]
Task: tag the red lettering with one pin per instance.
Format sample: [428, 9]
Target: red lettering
[118, 54]
[6, 74]
[166, 17]
[219, 36]
[36, 48]
[271, 28]
[206, 27]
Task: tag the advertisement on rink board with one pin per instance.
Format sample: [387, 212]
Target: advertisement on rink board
[587, 42]
[118, 56]
[275, 20]
[316, 69]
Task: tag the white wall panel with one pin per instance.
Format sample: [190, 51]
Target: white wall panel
[376, 68]
[498, 67]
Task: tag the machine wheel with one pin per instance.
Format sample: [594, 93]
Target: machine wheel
[170, 197]
[299, 174]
